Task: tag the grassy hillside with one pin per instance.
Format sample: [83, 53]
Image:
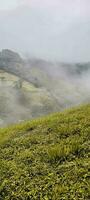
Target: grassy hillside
[47, 159]
[21, 100]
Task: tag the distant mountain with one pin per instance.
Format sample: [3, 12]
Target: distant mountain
[9, 56]
[13, 63]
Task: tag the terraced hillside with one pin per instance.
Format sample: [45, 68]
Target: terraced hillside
[47, 159]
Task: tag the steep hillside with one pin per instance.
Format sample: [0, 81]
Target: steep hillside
[21, 100]
[47, 159]
[40, 87]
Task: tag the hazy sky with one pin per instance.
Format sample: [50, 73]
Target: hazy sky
[50, 29]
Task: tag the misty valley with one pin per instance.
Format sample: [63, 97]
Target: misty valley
[30, 88]
[21, 100]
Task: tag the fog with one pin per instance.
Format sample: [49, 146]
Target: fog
[52, 30]
[69, 84]
[39, 87]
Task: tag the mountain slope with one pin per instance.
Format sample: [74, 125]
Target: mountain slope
[52, 87]
[21, 100]
[47, 158]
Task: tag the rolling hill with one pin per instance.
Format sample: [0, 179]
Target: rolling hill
[48, 158]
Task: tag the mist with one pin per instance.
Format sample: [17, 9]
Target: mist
[51, 30]
[30, 87]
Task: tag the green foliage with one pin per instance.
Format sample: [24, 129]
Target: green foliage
[62, 151]
[48, 158]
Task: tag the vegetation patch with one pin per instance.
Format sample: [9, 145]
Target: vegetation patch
[48, 158]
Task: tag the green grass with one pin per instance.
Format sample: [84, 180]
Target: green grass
[48, 158]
